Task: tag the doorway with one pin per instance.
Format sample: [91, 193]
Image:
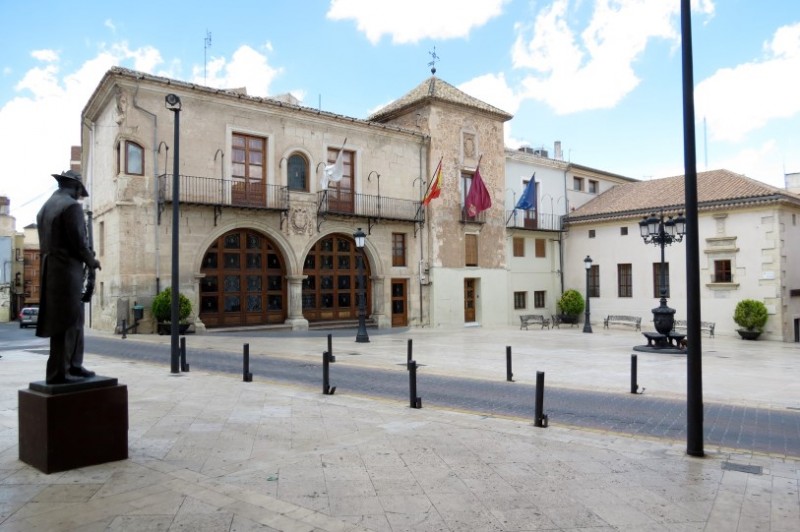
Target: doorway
[469, 300]
[399, 302]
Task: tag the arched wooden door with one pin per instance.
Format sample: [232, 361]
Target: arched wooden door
[244, 282]
[330, 289]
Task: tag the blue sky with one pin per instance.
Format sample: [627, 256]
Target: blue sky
[601, 76]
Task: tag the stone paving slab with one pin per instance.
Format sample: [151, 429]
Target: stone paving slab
[210, 452]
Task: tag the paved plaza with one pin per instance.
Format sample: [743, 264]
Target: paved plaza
[210, 452]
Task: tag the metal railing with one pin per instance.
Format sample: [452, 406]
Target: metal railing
[538, 222]
[345, 203]
[226, 192]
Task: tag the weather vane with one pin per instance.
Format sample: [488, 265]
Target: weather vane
[434, 58]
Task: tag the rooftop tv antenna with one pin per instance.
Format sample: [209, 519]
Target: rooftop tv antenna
[206, 46]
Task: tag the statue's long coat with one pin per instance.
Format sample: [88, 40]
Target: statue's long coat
[65, 250]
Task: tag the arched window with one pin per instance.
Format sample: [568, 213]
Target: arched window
[297, 172]
[130, 158]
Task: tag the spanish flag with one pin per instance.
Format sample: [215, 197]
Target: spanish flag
[435, 187]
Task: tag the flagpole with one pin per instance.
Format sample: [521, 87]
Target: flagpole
[433, 179]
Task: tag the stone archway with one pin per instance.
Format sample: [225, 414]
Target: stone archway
[244, 281]
[331, 284]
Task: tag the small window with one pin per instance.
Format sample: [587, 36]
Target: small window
[657, 279]
[624, 280]
[594, 186]
[520, 300]
[102, 238]
[541, 248]
[398, 249]
[471, 250]
[591, 233]
[297, 172]
[130, 158]
[519, 246]
[722, 271]
[594, 281]
[538, 299]
[623, 231]
[577, 183]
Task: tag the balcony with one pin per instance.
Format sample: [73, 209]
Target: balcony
[224, 193]
[373, 208]
[535, 222]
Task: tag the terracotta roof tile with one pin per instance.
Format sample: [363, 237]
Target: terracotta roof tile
[434, 88]
[713, 187]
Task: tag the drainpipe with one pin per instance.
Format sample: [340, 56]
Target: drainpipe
[155, 184]
[421, 248]
[561, 233]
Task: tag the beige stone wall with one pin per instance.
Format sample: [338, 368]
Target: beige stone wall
[136, 245]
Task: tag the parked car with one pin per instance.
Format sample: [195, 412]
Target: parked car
[28, 316]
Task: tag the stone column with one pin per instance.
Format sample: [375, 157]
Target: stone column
[295, 311]
[379, 303]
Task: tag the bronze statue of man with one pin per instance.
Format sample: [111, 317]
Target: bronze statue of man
[65, 252]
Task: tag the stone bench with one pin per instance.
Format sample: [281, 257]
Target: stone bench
[533, 319]
[707, 326]
[623, 320]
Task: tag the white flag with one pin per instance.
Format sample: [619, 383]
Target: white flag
[334, 172]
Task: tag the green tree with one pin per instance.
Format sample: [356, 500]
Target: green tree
[162, 306]
[571, 303]
[751, 315]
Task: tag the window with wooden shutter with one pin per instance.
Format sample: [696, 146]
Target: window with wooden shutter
[471, 250]
[541, 248]
[519, 246]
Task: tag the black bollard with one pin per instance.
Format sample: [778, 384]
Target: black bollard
[246, 375]
[184, 365]
[408, 352]
[415, 402]
[327, 359]
[124, 329]
[634, 373]
[509, 374]
[540, 417]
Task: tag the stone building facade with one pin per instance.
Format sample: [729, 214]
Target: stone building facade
[749, 240]
[261, 241]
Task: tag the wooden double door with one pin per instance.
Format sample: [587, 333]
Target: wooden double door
[244, 281]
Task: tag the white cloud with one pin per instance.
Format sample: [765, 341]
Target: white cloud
[410, 21]
[47, 56]
[592, 70]
[763, 162]
[737, 100]
[247, 68]
[493, 89]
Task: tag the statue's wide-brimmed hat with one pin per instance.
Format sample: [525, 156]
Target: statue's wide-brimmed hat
[72, 176]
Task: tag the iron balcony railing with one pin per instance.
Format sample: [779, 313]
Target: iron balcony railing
[534, 221]
[345, 203]
[224, 192]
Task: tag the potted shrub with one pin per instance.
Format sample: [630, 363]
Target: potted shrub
[570, 306]
[162, 311]
[750, 315]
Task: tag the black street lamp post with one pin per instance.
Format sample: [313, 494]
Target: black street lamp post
[587, 324]
[361, 336]
[173, 103]
[655, 230]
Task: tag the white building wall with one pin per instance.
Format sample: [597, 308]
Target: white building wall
[749, 237]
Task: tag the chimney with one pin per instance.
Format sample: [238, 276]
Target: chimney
[557, 149]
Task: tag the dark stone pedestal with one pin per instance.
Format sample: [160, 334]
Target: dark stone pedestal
[67, 426]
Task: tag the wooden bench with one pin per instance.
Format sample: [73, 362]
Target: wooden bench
[533, 319]
[623, 320]
[707, 326]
